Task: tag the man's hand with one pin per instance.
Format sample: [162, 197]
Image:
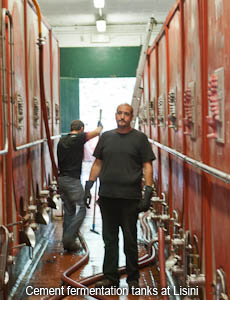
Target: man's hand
[87, 196]
[144, 204]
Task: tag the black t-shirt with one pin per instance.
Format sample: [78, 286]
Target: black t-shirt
[70, 153]
[122, 158]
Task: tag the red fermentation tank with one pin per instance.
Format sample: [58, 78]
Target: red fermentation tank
[186, 85]
[29, 83]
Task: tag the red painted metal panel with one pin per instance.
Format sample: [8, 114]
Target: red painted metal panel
[153, 112]
[47, 82]
[55, 90]
[153, 95]
[20, 107]
[19, 159]
[176, 135]
[146, 96]
[55, 86]
[219, 58]
[34, 101]
[163, 139]
[220, 224]
[219, 152]
[2, 189]
[175, 53]
[193, 118]
[33, 75]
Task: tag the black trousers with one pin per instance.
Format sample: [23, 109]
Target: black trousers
[119, 213]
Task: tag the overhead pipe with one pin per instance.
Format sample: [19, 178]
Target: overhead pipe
[4, 85]
[215, 172]
[42, 91]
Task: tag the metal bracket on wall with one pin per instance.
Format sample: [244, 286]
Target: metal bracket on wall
[152, 112]
[162, 111]
[190, 110]
[57, 113]
[141, 115]
[172, 102]
[36, 112]
[216, 102]
[20, 111]
[145, 112]
[48, 110]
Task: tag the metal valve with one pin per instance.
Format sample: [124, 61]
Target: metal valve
[220, 285]
[216, 102]
[41, 41]
[42, 216]
[177, 270]
[194, 280]
[152, 112]
[178, 242]
[44, 193]
[10, 260]
[161, 111]
[32, 208]
[172, 109]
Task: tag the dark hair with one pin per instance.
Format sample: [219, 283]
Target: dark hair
[76, 125]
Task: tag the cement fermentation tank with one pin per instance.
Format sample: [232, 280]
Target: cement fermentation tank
[29, 95]
[185, 111]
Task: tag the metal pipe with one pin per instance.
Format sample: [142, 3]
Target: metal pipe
[31, 144]
[215, 172]
[142, 262]
[4, 84]
[161, 252]
[4, 233]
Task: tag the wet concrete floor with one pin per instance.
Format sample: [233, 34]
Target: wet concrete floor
[55, 261]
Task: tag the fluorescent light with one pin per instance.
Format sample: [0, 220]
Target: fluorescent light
[101, 25]
[98, 4]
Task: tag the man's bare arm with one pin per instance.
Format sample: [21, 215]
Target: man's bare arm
[94, 133]
[95, 169]
[148, 173]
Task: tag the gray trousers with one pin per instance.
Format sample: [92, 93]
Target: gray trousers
[72, 194]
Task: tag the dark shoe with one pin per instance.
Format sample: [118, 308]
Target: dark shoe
[73, 247]
[106, 283]
[132, 286]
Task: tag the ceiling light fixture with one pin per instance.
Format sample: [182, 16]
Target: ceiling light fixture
[98, 4]
[101, 25]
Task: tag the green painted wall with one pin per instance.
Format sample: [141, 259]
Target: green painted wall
[99, 62]
[78, 63]
[69, 102]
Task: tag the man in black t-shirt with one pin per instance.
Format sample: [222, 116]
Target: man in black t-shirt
[70, 153]
[121, 155]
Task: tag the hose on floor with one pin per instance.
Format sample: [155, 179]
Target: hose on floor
[144, 261]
